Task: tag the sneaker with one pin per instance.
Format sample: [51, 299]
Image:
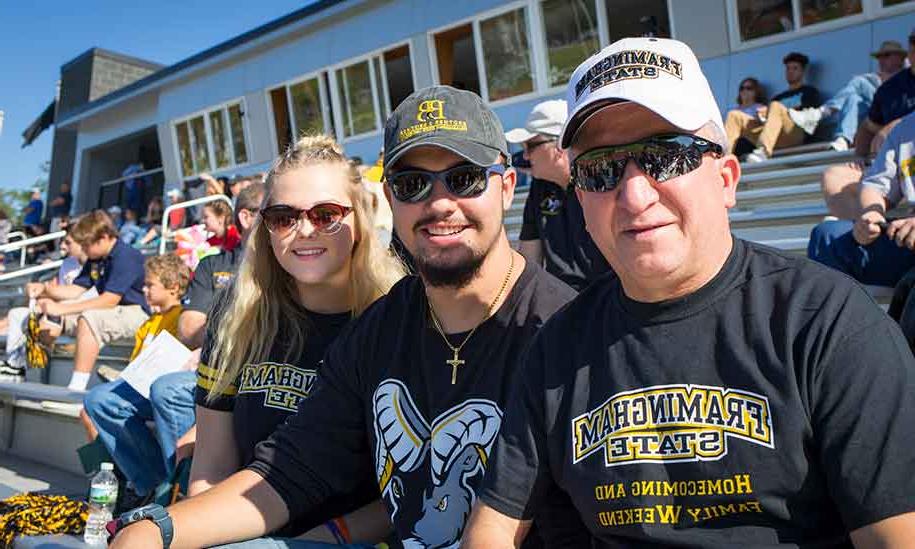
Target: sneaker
[758, 155]
[807, 119]
[107, 373]
[839, 144]
[10, 373]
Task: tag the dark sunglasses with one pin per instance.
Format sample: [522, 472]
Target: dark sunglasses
[464, 181]
[326, 218]
[661, 157]
[530, 147]
[751, 88]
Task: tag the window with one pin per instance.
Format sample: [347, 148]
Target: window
[457, 59]
[301, 108]
[638, 18]
[398, 76]
[354, 86]
[570, 33]
[507, 53]
[212, 141]
[888, 3]
[761, 18]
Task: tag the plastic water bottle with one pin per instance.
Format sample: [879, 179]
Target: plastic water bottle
[103, 493]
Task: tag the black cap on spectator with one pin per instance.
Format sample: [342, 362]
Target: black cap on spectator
[795, 57]
[449, 118]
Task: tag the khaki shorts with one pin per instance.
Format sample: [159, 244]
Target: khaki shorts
[120, 322]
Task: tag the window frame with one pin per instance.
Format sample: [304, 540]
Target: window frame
[380, 94]
[223, 109]
[326, 106]
[536, 35]
[870, 11]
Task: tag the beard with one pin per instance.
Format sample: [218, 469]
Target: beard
[454, 272]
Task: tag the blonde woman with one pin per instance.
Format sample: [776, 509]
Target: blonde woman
[311, 264]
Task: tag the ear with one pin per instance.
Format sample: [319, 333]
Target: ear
[509, 180]
[729, 169]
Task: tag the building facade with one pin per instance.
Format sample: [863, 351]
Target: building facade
[340, 66]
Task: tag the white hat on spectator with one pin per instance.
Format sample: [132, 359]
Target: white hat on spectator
[114, 210]
[546, 119]
[659, 74]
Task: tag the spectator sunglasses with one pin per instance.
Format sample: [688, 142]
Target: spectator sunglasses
[463, 181]
[326, 218]
[661, 157]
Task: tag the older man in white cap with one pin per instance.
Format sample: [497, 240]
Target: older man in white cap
[718, 393]
[553, 232]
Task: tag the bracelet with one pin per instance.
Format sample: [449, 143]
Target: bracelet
[344, 530]
[335, 531]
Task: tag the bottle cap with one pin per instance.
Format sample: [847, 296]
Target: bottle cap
[106, 466]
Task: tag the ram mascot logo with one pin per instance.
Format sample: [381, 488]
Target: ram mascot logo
[453, 451]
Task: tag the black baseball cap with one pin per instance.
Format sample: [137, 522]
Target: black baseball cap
[442, 116]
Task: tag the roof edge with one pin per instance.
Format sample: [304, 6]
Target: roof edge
[244, 38]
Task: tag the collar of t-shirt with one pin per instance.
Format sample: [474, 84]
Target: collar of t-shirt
[504, 314]
[666, 311]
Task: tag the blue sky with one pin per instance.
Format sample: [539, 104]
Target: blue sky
[38, 36]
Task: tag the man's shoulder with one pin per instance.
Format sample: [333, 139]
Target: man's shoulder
[544, 292]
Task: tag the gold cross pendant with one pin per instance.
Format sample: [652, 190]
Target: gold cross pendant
[454, 362]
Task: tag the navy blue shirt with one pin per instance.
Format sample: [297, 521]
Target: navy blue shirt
[121, 272]
[894, 98]
[63, 209]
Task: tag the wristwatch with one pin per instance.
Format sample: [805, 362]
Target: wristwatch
[154, 512]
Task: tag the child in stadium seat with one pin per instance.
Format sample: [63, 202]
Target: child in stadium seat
[217, 218]
[119, 413]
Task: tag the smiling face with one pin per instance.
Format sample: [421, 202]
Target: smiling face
[312, 258]
[664, 235]
[213, 223]
[449, 237]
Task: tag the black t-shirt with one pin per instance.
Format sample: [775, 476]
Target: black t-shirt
[804, 97]
[553, 216]
[63, 209]
[384, 406]
[266, 394]
[214, 274]
[894, 98]
[773, 406]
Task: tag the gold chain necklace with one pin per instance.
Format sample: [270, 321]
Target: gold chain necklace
[456, 361]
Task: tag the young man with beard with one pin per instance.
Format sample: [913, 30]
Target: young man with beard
[718, 393]
[413, 391]
[554, 232]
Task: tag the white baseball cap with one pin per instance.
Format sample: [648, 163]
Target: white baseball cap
[659, 74]
[547, 119]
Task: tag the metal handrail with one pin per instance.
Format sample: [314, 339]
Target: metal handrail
[31, 270]
[22, 244]
[184, 205]
[131, 176]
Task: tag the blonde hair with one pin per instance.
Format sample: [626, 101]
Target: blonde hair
[171, 271]
[264, 294]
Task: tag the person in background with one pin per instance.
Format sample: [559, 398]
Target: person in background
[115, 271]
[177, 217]
[59, 207]
[746, 119]
[236, 185]
[217, 219]
[848, 107]
[894, 99]
[873, 249]
[119, 413]
[116, 215]
[5, 227]
[31, 214]
[779, 130]
[130, 230]
[12, 367]
[554, 233]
